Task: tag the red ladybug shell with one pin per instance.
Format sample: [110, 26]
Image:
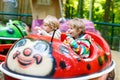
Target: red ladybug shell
[64, 62]
[69, 64]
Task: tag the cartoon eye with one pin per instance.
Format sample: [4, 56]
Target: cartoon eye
[41, 46]
[20, 43]
[64, 50]
[10, 31]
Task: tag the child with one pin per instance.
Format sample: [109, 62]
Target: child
[50, 24]
[77, 39]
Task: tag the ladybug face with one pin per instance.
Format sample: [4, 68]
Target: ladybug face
[31, 57]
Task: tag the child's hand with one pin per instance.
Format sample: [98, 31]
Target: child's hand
[38, 29]
[69, 39]
[72, 42]
[68, 32]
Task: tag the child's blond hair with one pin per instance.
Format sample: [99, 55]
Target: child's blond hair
[51, 21]
[78, 24]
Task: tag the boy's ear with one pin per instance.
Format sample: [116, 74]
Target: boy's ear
[79, 30]
[52, 28]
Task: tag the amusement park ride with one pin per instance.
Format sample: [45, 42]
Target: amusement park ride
[37, 57]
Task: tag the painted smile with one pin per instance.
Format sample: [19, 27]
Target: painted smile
[24, 62]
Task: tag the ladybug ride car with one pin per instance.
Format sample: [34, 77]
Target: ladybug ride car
[37, 57]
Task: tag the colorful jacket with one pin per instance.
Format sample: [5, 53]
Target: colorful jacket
[81, 45]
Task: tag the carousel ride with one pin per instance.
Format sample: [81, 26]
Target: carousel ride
[37, 57]
[42, 57]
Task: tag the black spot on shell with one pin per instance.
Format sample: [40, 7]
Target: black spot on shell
[62, 64]
[88, 66]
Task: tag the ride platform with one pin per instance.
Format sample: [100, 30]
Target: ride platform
[116, 58]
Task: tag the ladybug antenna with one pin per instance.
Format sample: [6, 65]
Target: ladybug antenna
[18, 29]
[11, 22]
[53, 35]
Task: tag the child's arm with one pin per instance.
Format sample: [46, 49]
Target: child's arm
[81, 47]
[41, 31]
[85, 42]
[73, 43]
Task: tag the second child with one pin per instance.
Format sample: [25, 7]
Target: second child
[50, 23]
[77, 39]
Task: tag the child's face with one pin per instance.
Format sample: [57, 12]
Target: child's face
[74, 32]
[47, 28]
